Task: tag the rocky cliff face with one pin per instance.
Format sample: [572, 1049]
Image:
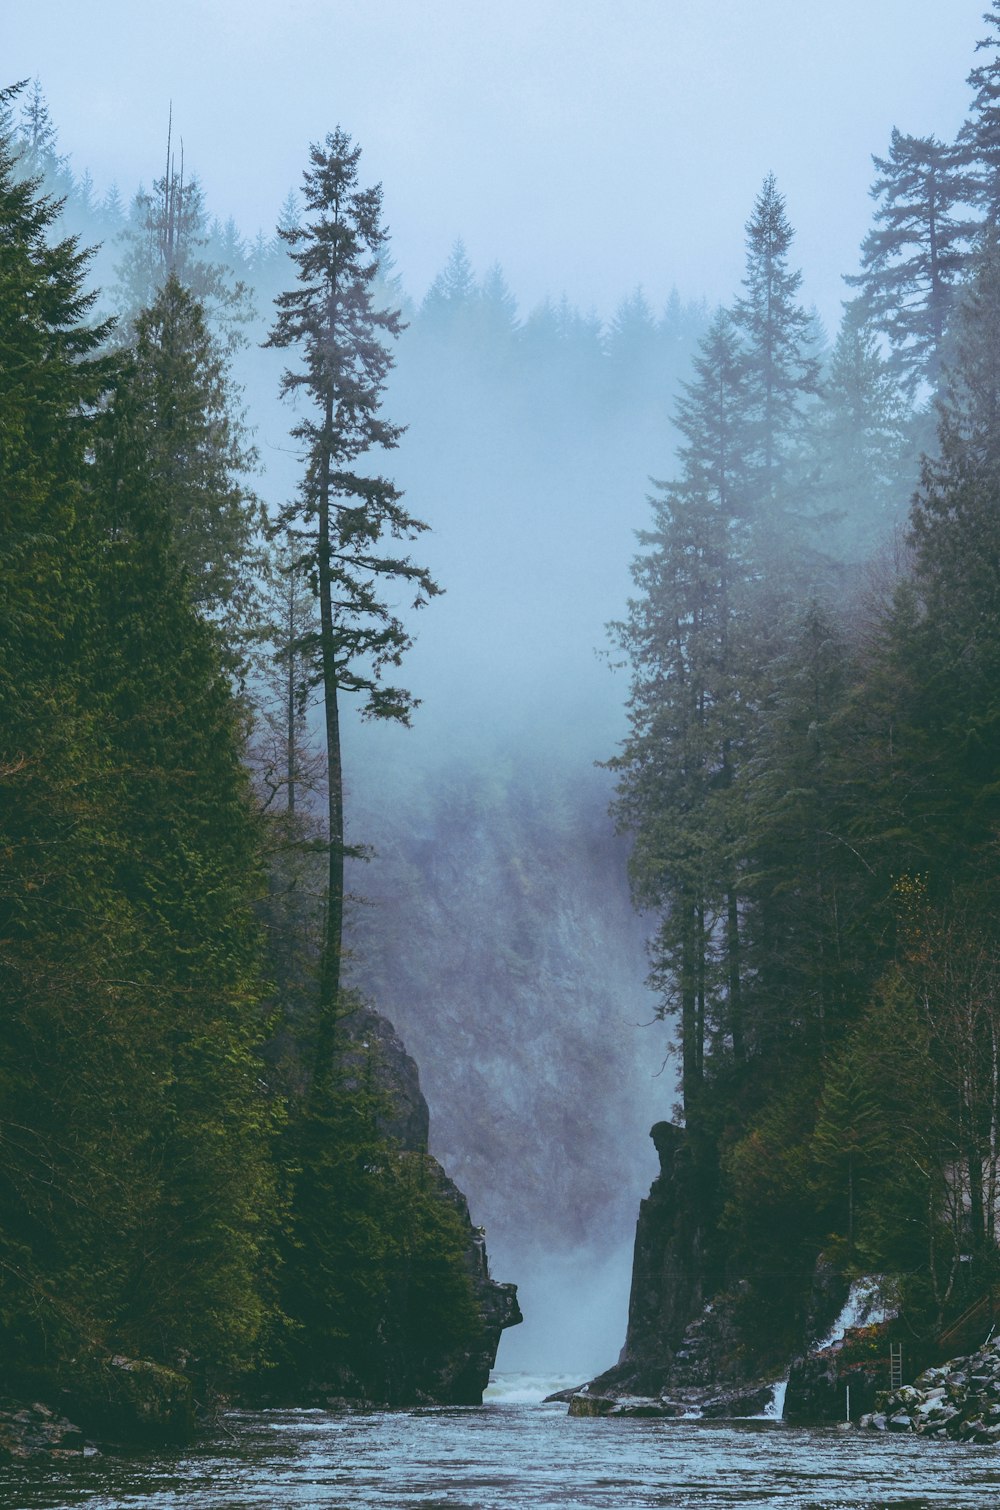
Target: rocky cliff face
[687, 1335]
[668, 1280]
[443, 1376]
[691, 1343]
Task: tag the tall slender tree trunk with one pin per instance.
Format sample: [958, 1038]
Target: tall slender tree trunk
[329, 992]
[290, 711]
[735, 982]
[690, 1022]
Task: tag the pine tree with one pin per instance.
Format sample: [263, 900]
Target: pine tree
[53, 947]
[782, 369]
[345, 518]
[979, 139]
[451, 296]
[955, 716]
[916, 253]
[37, 138]
[633, 351]
[197, 453]
[165, 236]
[185, 851]
[807, 897]
[677, 764]
[136, 1189]
[859, 445]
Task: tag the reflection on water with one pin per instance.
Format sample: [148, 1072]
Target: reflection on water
[517, 1454]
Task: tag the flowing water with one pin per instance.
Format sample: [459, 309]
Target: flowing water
[516, 1453]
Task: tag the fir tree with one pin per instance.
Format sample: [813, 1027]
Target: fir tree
[782, 369]
[137, 1191]
[166, 233]
[915, 253]
[955, 717]
[345, 518]
[979, 139]
[859, 445]
[197, 453]
[686, 726]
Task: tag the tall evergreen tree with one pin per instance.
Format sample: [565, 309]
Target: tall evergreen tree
[859, 445]
[197, 453]
[806, 895]
[345, 518]
[979, 139]
[134, 1168]
[956, 536]
[165, 236]
[782, 369]
[682, 637]
[452, 294]
[916, 252]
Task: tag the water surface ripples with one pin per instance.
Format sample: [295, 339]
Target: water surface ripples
[514, 1454]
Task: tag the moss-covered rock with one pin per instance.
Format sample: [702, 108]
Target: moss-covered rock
[132, 1400]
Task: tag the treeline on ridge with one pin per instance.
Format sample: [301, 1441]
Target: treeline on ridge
[811, 774]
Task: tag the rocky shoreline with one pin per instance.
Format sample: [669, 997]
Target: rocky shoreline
[960, 1400]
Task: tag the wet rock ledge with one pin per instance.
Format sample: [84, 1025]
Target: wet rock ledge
[705, 1404]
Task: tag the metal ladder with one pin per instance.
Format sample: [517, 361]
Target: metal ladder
[895, 1365]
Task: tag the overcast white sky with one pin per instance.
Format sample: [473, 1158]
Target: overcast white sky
[588, 145]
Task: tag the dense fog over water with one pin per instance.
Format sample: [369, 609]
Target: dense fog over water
[588, 150]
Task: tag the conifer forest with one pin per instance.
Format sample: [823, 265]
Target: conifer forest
[241, 483]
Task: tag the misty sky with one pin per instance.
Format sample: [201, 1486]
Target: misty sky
[588, 145]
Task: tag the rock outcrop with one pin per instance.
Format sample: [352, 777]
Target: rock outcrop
[37, 1431]
[461, 1378]
[680, 1345]
[818, 1383]
[691, 1341]
[396, 1369]
[372, 1039]
[667, 1295]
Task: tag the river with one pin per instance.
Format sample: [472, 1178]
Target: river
[515, 1453]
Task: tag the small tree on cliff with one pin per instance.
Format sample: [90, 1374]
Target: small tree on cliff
[345, 519]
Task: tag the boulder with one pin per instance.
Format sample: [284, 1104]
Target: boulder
[961, 1399]
[585, 1404]
[124, 1399]
[37, 1431]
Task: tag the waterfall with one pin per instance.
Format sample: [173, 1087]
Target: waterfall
[866, 1305]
